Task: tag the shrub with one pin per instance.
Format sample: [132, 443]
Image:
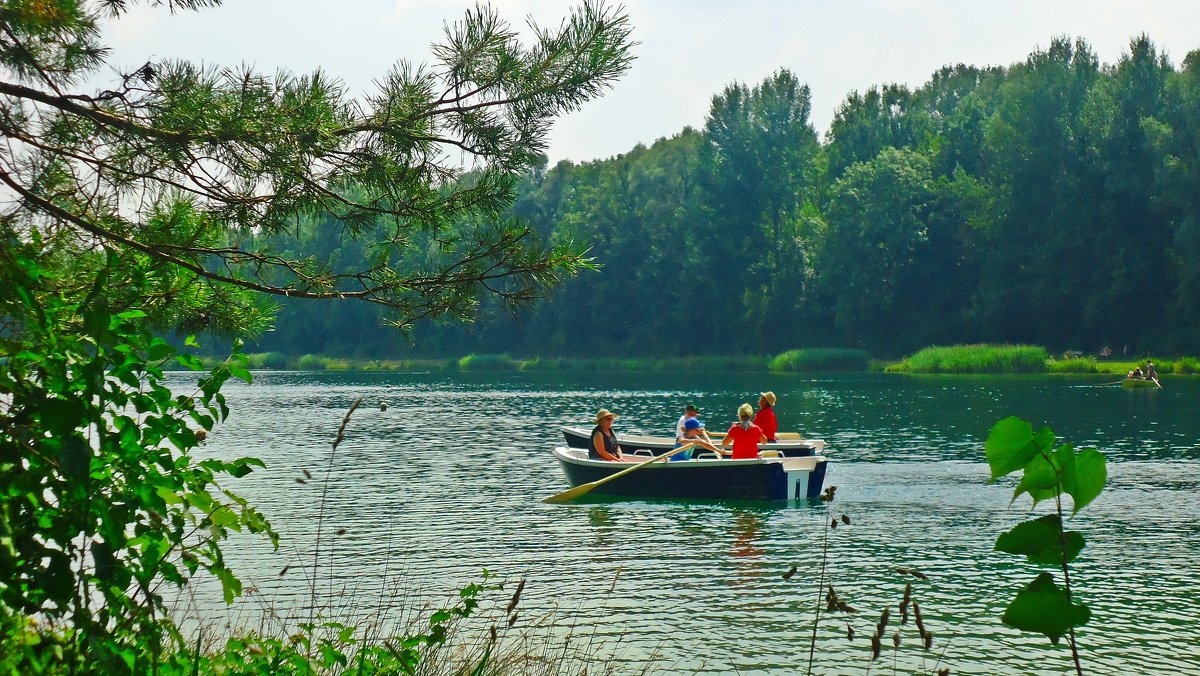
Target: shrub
[821, 359]
[980, 358]
[311, 362]
[1186, 365]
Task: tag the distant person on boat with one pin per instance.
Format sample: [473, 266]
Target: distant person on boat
[765, 418]
[694, 433]
[744, 435]
[1151, 372]
[1135, 374]
[604, 441]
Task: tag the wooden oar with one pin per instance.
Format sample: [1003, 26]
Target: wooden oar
[584, 489]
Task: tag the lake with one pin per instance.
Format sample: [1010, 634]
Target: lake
[448, 481]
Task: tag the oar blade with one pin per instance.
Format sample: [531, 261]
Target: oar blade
[569, 494]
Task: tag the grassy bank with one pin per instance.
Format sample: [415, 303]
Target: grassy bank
[958, 359]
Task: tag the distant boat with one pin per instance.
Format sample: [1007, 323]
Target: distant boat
[765, 478]
[1139, 382]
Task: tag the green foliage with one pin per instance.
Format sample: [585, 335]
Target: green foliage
[311, 362]
[332, 647]
[376, 180]
[102, 501]
[1054, 201]
[487, 362]
[1047, 473]
[1186, 366]
[820, 359]
[975, 359]
[1073, 365]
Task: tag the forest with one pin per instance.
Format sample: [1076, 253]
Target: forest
[1055, 202]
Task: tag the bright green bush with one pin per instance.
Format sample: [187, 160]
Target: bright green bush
[821, 359]
[311, 362]
[1185, 366]
[980, 358]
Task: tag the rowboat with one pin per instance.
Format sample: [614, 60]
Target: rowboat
[768, 477]
[578, 437]
[1139, 382]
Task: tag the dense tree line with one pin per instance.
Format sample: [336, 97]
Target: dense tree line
[1055, 201]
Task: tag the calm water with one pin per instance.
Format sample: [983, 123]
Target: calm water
[448, 481]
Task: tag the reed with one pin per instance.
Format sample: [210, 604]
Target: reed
[821, 359]
[981, 358]
[1073, 365]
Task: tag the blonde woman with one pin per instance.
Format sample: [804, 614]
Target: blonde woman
[744, 435]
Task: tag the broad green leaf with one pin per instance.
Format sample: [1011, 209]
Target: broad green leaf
[132, 314]
[230, 585]
[159, 350]
[191, 341]
[1010, 446]
[1040, 540]
[223, 516]
[1040, 479]
[1043, 608]
[239, 470]
[1084, 478]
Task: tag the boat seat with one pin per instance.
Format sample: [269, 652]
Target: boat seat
[706, 455]
[770, 453]
[644, 452]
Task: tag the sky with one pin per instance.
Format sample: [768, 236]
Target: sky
[687, 51]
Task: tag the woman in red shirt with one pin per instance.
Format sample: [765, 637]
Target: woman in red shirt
[765, 418]
[744, 435]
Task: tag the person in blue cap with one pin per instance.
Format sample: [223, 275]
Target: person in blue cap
[694, 433]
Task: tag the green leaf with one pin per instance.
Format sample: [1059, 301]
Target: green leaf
[131, 314]
[1040, 540]
[191, 341]
[1040, 479]
[1043, 608]
[159, 350]
[189, 361]
[230, 585]
[1010, 446]
[1084, 478]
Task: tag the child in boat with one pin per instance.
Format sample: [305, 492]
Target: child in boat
[694, 433]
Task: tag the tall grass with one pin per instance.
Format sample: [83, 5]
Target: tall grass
[821, 359]
[980, 358]
[1073, 365]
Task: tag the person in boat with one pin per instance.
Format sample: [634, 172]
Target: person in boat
[604, 444]
[765, 418]
[1151, 372]
[1135, 374]
[695, 434]
[689, 413]
[744, 435]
